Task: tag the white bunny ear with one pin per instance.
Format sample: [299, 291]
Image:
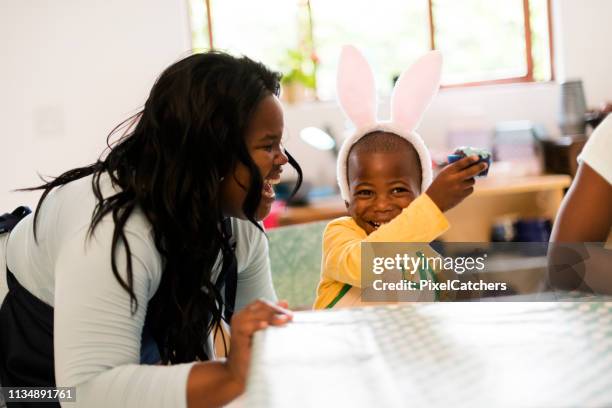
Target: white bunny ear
[415, 89]
[355, 87]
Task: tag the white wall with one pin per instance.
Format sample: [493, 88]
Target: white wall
[585, 46]
[482, 106]
[71, 70]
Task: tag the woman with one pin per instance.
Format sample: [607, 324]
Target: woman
[138, 257]
[585, 216]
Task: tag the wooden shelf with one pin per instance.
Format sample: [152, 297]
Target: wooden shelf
[471, 221]
[527, 184]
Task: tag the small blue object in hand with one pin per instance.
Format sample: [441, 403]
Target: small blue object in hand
[461, 152]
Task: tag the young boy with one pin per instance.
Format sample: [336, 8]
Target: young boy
[386, 205]
[385, 175]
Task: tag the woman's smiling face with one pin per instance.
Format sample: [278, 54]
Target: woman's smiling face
[263, 141]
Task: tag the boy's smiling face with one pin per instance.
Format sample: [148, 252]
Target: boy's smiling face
[382, 181]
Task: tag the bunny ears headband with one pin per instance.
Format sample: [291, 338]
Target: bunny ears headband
[413, 92]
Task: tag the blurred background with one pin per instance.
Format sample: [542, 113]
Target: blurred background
[526, 79]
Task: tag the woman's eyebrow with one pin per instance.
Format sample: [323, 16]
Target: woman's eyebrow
[271, 137]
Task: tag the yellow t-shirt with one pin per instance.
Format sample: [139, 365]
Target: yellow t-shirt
[421, 221]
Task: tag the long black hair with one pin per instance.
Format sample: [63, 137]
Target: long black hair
[169, 163]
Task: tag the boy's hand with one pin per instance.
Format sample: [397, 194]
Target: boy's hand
[455, 182]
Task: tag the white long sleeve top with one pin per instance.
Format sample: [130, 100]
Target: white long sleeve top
[96, 338]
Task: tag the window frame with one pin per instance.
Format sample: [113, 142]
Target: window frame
[527, 78]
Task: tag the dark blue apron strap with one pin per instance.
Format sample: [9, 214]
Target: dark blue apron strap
[149, 350]
[228, 278]
[26, 340]
[9, 220]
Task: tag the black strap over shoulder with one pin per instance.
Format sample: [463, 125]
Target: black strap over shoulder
[228, 278]
[9, 220]
[26, 335]
[26, 340]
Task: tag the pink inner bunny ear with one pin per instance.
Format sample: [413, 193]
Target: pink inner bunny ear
[415, 89]
[356, 89]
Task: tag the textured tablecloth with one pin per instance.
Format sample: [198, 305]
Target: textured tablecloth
[539, 354]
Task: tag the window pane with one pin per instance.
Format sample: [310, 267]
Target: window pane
[262, 30]
[390, 33]
[199, 25]
[480, 39]
[540, 39]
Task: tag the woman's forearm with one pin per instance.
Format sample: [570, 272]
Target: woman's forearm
[211, 384]
[216, 383]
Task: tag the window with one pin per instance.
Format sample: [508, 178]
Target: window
[391, 33]
[262, 29]
[482, 41]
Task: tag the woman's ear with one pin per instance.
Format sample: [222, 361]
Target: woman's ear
[356, 88]
[415, 89]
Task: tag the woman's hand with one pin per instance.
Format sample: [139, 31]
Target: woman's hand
[455, 182]
[216, 383]
[256, 316]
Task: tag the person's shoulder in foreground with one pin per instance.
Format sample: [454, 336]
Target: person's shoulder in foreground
[585, 217]
[584, 214]
[597, 152]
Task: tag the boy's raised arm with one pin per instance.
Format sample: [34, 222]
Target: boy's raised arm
[421, 221]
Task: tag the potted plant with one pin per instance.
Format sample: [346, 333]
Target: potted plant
[299, 65]
[299, 80]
